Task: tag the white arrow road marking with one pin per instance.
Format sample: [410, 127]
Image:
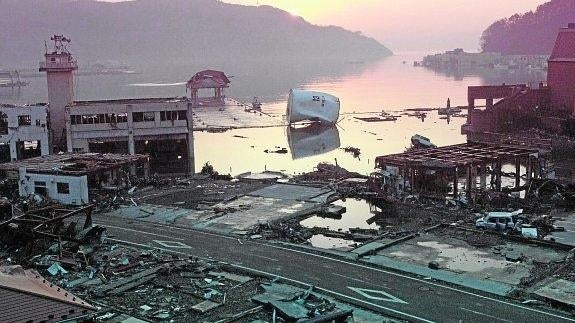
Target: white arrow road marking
[172, 244]
[372, 294]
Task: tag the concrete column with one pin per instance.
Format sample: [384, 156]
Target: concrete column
[146, 170]
[455, 183]
[483, 176]
[13, 150]
[404, 175]
[468, 178]
[412, 179]
[190, 140]
[44, 147]
[68, 120]
[470, 108]
[131, 144]
[497, 174]
[517, 171]
[529, 168]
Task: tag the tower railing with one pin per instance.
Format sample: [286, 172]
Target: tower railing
[58, 65]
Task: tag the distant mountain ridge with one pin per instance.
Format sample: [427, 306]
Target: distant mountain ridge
[156, 30]
[532, 33]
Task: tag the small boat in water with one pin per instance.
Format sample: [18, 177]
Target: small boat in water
[376, 119]
[312, 106]
[256, 104]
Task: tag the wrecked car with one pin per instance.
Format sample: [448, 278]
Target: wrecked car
[499, 220]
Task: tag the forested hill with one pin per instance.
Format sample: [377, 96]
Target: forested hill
[172, 29]
[529, 33]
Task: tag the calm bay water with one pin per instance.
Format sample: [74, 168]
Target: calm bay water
[391, 84]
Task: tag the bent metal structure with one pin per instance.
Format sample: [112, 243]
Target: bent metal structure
[312, 106]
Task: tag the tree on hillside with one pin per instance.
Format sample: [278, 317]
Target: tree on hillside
[532, 33]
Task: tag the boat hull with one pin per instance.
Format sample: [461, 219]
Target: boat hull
[312, 106]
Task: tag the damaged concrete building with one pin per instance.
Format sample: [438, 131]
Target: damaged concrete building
[160, 127]
[68, 178]
[549, 106]
[23, 131]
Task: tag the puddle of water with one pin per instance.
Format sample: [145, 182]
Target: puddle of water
[321, 241]
[357, 215]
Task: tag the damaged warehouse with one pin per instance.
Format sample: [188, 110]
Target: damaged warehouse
[69, 178]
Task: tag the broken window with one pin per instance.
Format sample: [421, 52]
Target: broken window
[3, 124]
[40, 188]
[63, 188]
[76, 119]
[138, 116]
[173, 115]
[24, 120]
[122, 118]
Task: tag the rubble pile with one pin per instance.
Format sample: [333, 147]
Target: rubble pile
[50, 235]
[354, 151]
[325, 172]
[289, 232]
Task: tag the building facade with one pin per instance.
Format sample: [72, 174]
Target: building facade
[23, 132]
[159, 127]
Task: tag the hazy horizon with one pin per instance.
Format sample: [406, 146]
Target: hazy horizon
[408, 25]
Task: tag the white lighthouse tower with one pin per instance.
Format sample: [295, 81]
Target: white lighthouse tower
[59, 66]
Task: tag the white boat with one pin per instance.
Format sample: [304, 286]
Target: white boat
[312, 106]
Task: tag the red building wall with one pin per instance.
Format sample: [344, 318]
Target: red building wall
[561, 80]
[561, 71]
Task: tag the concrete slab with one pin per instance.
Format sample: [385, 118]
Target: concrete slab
[367, 248]
[294, 192]
[205, 306]
[230, 276]
[488, 286]
[232, 116]
[558, 290]
[253, 210]
[456, 256]
[154, 213]
[568, 236]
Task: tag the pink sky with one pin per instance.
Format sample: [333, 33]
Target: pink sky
[407, 25]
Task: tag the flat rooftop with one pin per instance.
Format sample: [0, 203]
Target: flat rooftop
[12, 106]
[131, 101]
[455, 155]
[74, 164]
